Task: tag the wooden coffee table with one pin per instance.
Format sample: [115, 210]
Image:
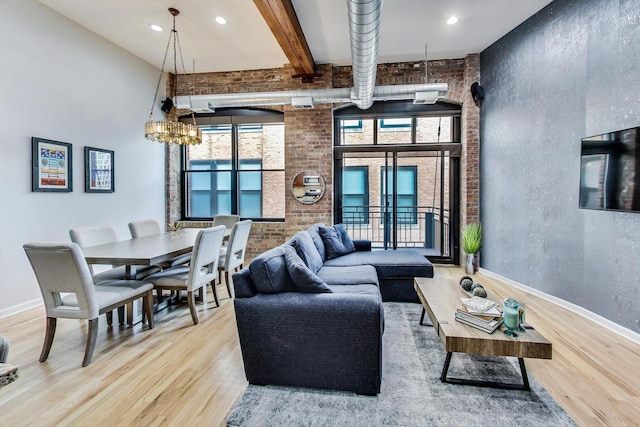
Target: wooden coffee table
[440, 299]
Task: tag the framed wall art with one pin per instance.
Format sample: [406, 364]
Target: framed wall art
[52, 163]
[98, 170]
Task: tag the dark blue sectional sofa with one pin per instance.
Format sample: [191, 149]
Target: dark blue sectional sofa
[309, 318]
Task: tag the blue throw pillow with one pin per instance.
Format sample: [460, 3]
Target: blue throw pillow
[269, 273]
[336, 241]
[306, 249]
[317, 240]
[303, 278]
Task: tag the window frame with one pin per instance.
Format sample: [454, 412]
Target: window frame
[451, 149]
[237, 120]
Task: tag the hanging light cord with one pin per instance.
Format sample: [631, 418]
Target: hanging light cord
[166, 52]
[184, 72]
[176, 42]
[172, 131]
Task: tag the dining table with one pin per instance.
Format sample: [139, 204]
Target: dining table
[143, 251]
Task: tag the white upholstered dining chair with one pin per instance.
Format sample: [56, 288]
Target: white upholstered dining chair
[150, 227]
[226, 220]
[68, 291]
[232, 255]
[200, 272]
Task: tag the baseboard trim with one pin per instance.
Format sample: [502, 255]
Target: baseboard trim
[10, 311]
[602, 321]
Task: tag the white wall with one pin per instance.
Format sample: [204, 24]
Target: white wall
[62, 82]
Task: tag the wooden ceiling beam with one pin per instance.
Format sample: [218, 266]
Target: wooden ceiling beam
[281, 18]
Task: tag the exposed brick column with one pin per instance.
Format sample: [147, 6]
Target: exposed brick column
[470, 168]
[308, 145]
[173, 183]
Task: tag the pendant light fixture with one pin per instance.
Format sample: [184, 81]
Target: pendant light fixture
[172, 132]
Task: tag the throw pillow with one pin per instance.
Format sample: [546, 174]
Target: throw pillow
[269, 272]
[303, 278]
[317, 239]
[306, 249]
[336, 241]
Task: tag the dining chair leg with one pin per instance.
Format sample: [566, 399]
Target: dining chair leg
[199, 296]
[91, 341]
[159, 295]
[214, 289]
[191, 299]
[121, 315]
[48, 338]
[147, 303]
[228, 283]
[130, 313]
[219, 276]
[109, 315]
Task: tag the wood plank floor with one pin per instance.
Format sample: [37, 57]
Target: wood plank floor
[181, 374]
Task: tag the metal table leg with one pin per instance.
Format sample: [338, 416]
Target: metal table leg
[480, 383]
[422, 319]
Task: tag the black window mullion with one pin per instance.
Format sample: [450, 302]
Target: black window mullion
[414, 125]
[213, 201]
[235, 166]
[375, 131]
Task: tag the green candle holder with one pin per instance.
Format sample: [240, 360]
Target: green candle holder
[511, 317]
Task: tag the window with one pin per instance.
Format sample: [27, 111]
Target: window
[407, 195]
[238, 169]
[400, 123]
[352, 125]
[211, 189]
[432, 129]
[355, 195]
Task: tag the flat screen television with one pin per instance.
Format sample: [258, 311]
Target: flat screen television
[610, 171]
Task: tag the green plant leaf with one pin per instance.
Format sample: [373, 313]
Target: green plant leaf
[472, 238]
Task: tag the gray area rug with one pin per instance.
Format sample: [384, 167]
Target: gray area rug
[412, 393]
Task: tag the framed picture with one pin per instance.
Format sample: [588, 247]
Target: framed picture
[51, 166]
[98, 170]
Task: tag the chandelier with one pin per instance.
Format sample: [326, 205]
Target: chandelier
[172, 132]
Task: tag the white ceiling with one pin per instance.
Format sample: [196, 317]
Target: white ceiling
[246, 42]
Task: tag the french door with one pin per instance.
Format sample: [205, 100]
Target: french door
[400, 197]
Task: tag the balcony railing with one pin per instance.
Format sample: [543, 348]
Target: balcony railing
[416, 226]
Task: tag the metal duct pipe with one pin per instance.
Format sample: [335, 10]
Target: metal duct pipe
[320, 96]
[386, 93]
[364, 22]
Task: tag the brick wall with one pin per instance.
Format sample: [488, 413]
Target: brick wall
[309, 133]
[470, 167]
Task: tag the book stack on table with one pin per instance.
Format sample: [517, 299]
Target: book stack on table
[479, 313]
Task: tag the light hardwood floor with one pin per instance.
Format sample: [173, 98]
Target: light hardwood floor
[181, 374]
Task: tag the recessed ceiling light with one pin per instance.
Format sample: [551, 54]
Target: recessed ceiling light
[156, 27]
[221, 20]
[452, 20]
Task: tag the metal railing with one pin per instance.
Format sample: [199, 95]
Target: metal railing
[416, 226]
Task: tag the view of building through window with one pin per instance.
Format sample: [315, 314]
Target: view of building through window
[238, 169]
[404, 162]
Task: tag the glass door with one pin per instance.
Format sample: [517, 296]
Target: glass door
[397, 198]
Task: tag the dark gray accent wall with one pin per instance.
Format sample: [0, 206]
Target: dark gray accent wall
[570, 71]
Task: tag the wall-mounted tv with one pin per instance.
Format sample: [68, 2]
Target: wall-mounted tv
[610, 171]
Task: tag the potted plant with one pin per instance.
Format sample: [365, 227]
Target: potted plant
[471, 242]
